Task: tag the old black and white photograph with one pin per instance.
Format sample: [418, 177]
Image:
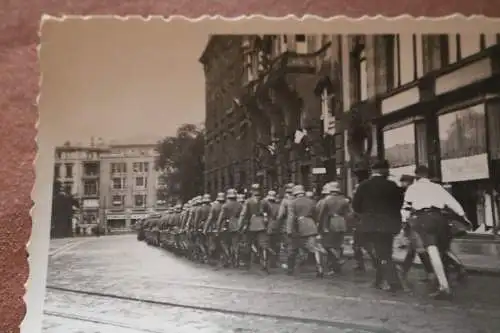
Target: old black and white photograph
[201, 181]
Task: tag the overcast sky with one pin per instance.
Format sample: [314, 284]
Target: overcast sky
[122, 81]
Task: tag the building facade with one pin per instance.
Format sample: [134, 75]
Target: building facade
[115, 185]
[78, 170]
[322, 107]
[432, 100]
[279, 89]
[128, 184]
[228, 141]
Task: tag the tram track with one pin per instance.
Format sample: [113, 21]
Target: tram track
[95, 320]
[350, 327]
[290, 293]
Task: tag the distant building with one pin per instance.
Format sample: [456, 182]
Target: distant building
[115, 185]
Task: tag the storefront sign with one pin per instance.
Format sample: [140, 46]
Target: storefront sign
[115, 217]
[465, 168]
[91, 203]
[138, 216]
[319, 171]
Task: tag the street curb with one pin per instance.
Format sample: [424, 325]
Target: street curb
[470, 269]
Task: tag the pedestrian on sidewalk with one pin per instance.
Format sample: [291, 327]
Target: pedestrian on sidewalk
[378, 202]
[425, 204]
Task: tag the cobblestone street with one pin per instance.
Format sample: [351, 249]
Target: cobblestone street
[117, 284]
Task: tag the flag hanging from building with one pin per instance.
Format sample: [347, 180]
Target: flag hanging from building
[299, 136]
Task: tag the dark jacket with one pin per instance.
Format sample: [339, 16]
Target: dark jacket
[378, 203]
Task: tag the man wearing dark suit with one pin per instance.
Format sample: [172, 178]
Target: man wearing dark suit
[378, 202]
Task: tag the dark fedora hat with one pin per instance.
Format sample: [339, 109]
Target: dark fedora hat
[380, 165]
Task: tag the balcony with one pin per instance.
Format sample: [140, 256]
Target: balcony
[90, 175]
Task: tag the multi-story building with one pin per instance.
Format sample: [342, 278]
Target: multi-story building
[321, 107]
[128, 184]
[115, 185]
[284, 83]
[433, 100]
[78, 169]
[228, 141]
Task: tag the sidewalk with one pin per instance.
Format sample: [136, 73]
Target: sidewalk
[474, 263]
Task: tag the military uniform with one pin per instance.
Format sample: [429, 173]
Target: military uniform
[274, 227]
[302, 229]
[253, 221]
[228, 227]
[332, 213]
[283, 215]
[202, 217]
[211, 225]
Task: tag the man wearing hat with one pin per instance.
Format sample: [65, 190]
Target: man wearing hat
[227, 228]
[253, 222]
[332, 214]
[378, 201]
[274, 227]
[211, 224]
[302, 230]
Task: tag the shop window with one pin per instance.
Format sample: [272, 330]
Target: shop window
[462, 133]
[462, 137]
[400, 148]
[493, 132]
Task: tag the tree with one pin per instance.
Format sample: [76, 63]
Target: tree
[63, 205]
[181, 158]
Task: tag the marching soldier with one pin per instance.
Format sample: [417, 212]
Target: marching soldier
[302, 230]
[283, 212]
[332, 213]
[227, 228]
[201, 219]
[240, 198]
[211, 224]
[274, 228]
[253, 222]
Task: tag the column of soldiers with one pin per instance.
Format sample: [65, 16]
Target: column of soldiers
[235, 230]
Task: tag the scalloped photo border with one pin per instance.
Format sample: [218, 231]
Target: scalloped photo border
[38, 245]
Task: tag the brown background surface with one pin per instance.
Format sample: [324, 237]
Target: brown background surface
[19, 87]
